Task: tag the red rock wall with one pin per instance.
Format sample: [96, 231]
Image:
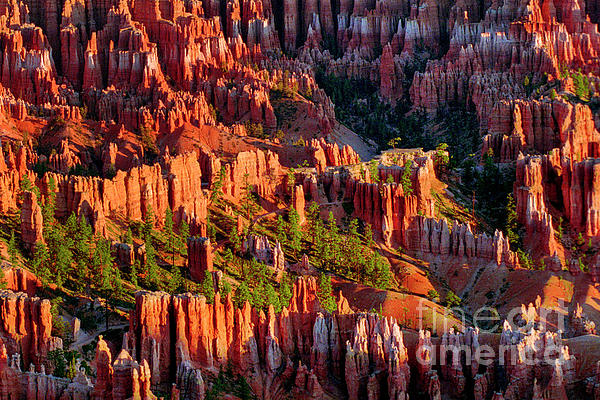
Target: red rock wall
[522, 126]
[21, 280]
[259, 169]
[32, 222]
[408, 220]
[26, 326]
[329, 154]
[135, 192]
[200, 258]
[258, 345]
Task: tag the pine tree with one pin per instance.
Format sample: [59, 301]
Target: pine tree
[110, 285]
[352, 246]
[133, 274]
[176, 281]
[280, 229]
[62, 266]
[285, 291]
[49, 206]
[81, 232]
[211, 230]
[26, 186]
[405, 179]
[381, 275]
[248, 205]
[184, 233]
[208, 289]
[12, 250]
[368, 235]
[511, 221]
[295, 234]
[235, 239]
[331, 250]
[168, 221]
[271, 297]
[291, 180]
[242, 295]
[71, 225]
[39, 263]
[259, 299]
[128, 237]
[148, 225]
[151, 265]
[225, 288]
[374, 171]
[314, 229]
[324, 293]
[2, 278]
[169, 236]
[217, 186]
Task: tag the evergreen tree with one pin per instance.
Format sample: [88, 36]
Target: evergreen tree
[176, 281]
[315, 230]
[405, 178]
[280, 229]
[374, 171]
[62, 266]
[128, 237]
[148, 225]
[217, 186]
[110, 286]
[324, 293]
[39, 263]
[242, 295]
[169, 235]
[295, 234]
[332, 239]
[133, 274]
[353, 240]
[225, 288]
[2, 278]
[168, 228]
[259, 299]
[271, 297]
[511, 221]
[71, 225]
[235, 239]
[152, 277]
[248, 204]
[380, 274]
[291, 180]
[12, 250]
[227, 256]
[582, 86]
[26, 186]
[452, 300]
[208, 289]
[81, 232]
[285, 291]
[211, 230]
[184, 234]
[49, 206]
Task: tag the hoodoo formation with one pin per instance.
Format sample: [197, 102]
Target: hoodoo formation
[299, 199]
